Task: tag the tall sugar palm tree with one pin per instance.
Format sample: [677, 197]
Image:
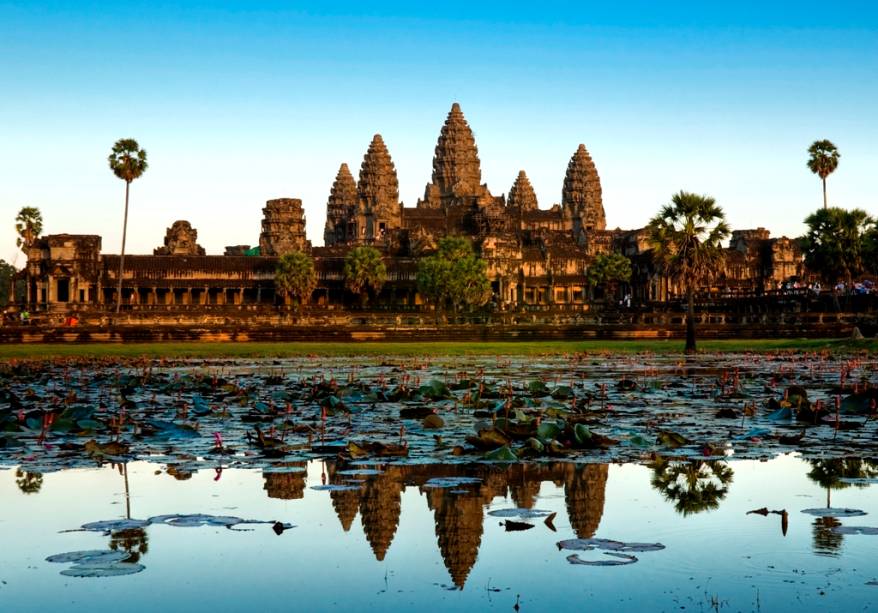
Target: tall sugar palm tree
[364, 272]
[128, 162]
[295, 276]
[686, 239]
[822, 161]
[28, 226]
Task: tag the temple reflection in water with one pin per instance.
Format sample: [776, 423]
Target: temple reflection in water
[458, 511]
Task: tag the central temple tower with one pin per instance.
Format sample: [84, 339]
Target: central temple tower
[457, 172]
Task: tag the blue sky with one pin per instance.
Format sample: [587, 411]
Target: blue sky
[239, 102]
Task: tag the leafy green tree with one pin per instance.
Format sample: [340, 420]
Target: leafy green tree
[10, 291]
[609, 270]
[128, 162]
[454, 275]
[686, 239]
[836, 242]
[870, 251]
[295, 276]
[364, 272]
[694, 486]
[28, 226]
[822, 161]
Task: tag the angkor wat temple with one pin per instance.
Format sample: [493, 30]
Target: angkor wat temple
[534, 255]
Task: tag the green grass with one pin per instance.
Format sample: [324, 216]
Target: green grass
[244, 350]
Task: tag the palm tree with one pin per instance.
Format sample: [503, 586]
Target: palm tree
[28, 226]
[837, 244]
[686, 239]
[694, 486]
[128, 162]
[823, 161]
[364, 272]
[295, 276]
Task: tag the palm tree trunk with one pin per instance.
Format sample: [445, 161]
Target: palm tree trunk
[824, 194]
[122, 254]
[690, 319]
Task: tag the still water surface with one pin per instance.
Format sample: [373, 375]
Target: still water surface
[394, 542]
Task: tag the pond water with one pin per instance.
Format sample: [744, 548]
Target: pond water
[636, 482]
[398, 542]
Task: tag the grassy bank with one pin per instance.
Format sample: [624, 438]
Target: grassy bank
[217, 350]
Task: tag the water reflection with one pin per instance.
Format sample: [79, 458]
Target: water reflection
[693, 486]
[27, 482]
[836, 474]
[429, 528]
[288, 483]
[132, 541]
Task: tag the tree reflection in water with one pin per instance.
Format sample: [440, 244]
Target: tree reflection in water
[28, 483]
[833, 475]
[693, 486]
[133, 541]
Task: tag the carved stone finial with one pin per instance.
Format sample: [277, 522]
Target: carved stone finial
[180, 239]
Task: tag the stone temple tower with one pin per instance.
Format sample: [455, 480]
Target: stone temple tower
[283, 227]
[341, 208]
[457, 171]
[378, 190]
[581, 200]
[522, 195]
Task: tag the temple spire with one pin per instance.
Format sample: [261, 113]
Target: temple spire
[378, 185]
[456, 166]
[341, 204]
[521, 194]
[581, 198]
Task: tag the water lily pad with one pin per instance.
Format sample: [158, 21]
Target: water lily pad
[114, 569]
[115, 524]
[503, 454]
[283, 469]
[607, 544]
[855, 530]
[443, 482]
[360, 471]
[834, 512]
[622, 559]
[520, 513]
[93, 556]
[196, 520]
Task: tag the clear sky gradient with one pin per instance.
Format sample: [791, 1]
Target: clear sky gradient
[240, 102]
